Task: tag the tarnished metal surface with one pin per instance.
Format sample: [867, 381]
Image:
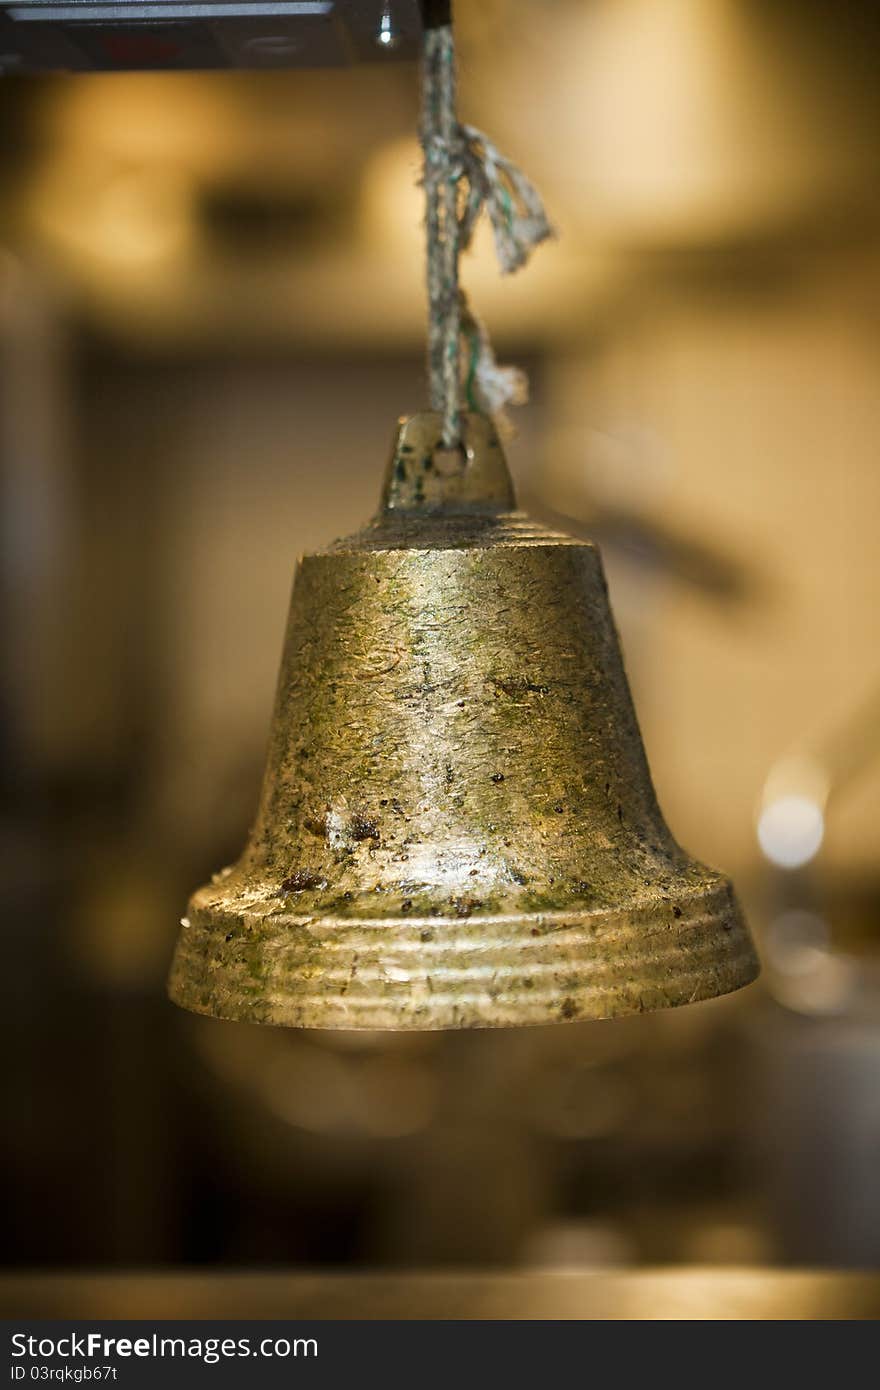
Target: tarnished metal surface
[457, 826]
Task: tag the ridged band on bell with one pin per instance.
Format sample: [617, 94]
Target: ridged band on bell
[457, 826]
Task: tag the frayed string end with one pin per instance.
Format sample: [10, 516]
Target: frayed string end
[464, 176]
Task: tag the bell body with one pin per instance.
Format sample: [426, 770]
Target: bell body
[457, 826]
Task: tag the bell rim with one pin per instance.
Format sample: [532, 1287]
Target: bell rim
[663, 963]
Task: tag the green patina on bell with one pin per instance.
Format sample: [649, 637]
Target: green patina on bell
[457, 826]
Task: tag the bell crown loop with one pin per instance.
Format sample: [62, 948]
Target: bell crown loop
[455, 499]
[423, 477]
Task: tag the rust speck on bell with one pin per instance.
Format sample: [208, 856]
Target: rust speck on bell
[457, 826]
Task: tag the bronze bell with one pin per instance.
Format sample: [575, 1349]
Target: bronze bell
[457, 827]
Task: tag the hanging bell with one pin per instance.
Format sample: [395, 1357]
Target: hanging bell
[457, 825]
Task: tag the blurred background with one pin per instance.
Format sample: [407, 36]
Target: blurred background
[211, 314]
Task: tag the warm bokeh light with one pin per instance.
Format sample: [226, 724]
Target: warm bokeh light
[791, 831]
[114, 219]
[791, 819]
[689, 120]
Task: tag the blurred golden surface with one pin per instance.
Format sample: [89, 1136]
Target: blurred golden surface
[688, 1294]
